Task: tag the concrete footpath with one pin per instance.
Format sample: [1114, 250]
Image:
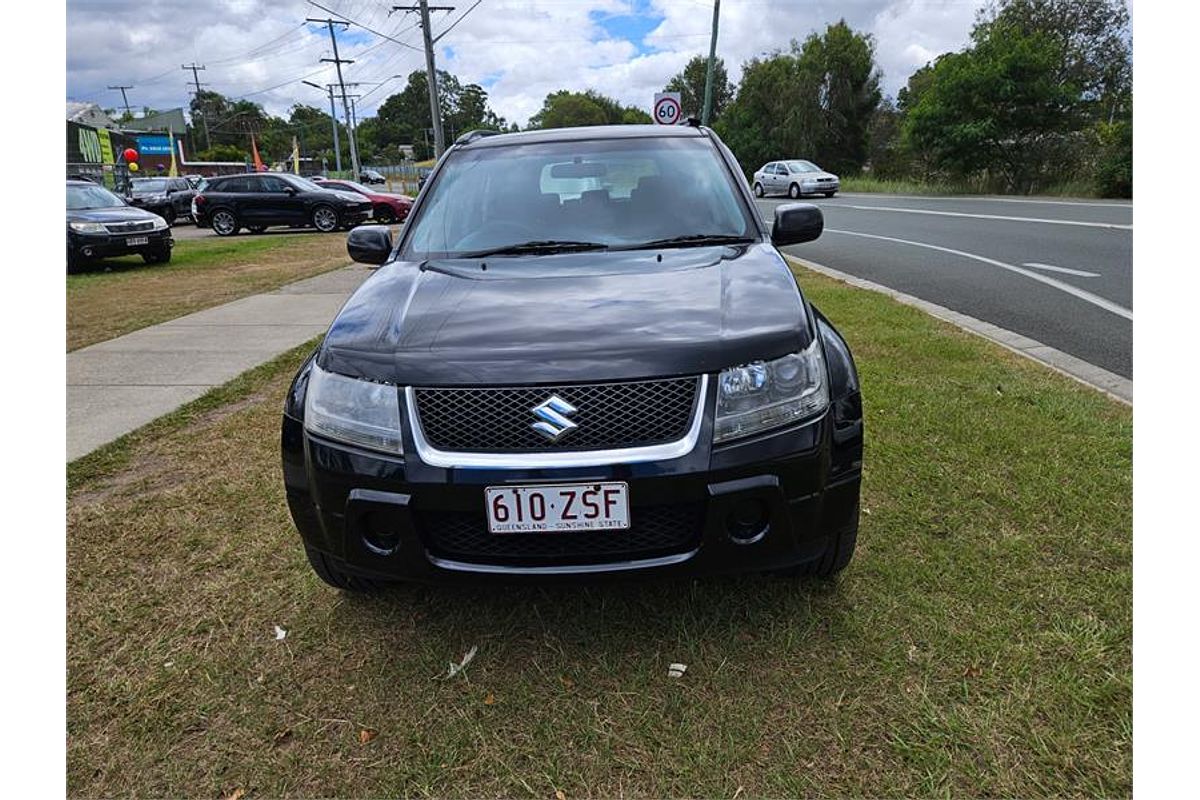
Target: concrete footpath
[117, 386]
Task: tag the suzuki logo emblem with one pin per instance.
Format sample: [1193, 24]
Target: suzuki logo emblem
[553, 414]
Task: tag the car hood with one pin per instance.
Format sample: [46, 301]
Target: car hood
[571, 317]
[115, 214]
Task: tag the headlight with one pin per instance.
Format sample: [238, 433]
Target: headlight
[87, 227]
[159, 223]
[769, 394]
[353, 411]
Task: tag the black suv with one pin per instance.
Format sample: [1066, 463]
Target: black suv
[584, 355]
[257, 201]
[101, 224]
[170, 198]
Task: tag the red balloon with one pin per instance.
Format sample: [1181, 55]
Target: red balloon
[131, 154]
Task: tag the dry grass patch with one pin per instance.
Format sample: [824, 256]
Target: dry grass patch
[978, 645]
[122, 295]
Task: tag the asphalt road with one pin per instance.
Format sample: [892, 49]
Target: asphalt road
[1057, 271]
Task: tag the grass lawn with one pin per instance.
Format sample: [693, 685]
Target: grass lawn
[978, 645]
[203, 273]
[864, 183]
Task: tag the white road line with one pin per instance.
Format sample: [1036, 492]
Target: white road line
[1086, 296]
[1064, 270]
[989, 199]
[992, 216]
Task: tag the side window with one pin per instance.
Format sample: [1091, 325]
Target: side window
[780, 170]
[234, 185]
[269, 183]
[180, 185]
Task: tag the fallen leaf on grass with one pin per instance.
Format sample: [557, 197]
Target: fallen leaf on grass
[972, 671]
[490, 700]
[566, 682]
[676, 670]
[280, 633]
[366, 735]
[559, 795]
[238, 794]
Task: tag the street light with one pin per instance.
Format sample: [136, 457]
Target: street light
[337, 147]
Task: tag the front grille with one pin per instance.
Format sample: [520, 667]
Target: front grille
[129, 227]
[608, 415]
[824, 180]
[655, 531]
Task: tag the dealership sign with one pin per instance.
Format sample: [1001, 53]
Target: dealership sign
[154, 145]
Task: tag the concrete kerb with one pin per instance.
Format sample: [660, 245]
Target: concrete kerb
[1114, 386]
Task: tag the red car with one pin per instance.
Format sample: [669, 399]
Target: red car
[389, 208]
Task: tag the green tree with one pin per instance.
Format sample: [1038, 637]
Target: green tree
[566, 109]
[816, 102]
[690, 85]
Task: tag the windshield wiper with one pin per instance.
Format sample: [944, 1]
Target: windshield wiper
[690, 240]
[542, 246]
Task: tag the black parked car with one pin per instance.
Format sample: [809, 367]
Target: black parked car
[585, 355]
[101, 224]
[257, 201]
[370, 176]
[170, 198]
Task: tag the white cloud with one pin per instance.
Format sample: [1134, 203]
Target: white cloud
[520, 50]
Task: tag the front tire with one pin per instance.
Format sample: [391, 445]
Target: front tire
[162, 256]
[325, 219]
[329, 570]
[836, 557]
[224, 223]
[384, 215]
[794, 191]
[758, 190]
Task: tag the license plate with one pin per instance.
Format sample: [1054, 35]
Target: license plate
[134, 241]
[553, 508]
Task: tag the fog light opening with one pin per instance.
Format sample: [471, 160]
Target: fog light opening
[748, 521]
[381, 541]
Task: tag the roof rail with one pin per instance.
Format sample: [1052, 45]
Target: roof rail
[471, 136]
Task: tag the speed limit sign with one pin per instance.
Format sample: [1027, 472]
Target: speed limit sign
[668, 108]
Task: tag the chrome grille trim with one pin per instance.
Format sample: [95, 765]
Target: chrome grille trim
[552, 458]
[129, 227]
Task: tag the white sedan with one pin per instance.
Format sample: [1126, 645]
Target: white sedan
[795, 179]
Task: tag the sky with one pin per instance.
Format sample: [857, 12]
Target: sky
[519, 50]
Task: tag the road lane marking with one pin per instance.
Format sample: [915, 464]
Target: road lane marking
[1064, 270]
[1115, 386]
[989, 199]
[1074, 291]
[991, 216]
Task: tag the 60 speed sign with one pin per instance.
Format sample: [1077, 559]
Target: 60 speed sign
[668, 108]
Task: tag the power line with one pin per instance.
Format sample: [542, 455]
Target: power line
[364, 27]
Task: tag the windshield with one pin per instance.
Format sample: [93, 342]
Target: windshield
[345, 186]
[304, 183]
[83, 197]
[149, 185]
[796, 167]
[608, 192]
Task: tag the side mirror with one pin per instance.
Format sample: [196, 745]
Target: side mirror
[796, 223]
[370, 244]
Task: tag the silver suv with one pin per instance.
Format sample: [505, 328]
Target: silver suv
[794, 178]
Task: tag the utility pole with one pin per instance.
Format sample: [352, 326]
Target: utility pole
[194, 67]
[712, 61]
[337, 61]
[337, 145]
[435, 109]
[124, 99]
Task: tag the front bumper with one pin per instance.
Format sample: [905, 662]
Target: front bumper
[819, 188]
[803, 480]
[105, 245]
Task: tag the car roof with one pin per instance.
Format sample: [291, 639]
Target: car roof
[582, 133]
